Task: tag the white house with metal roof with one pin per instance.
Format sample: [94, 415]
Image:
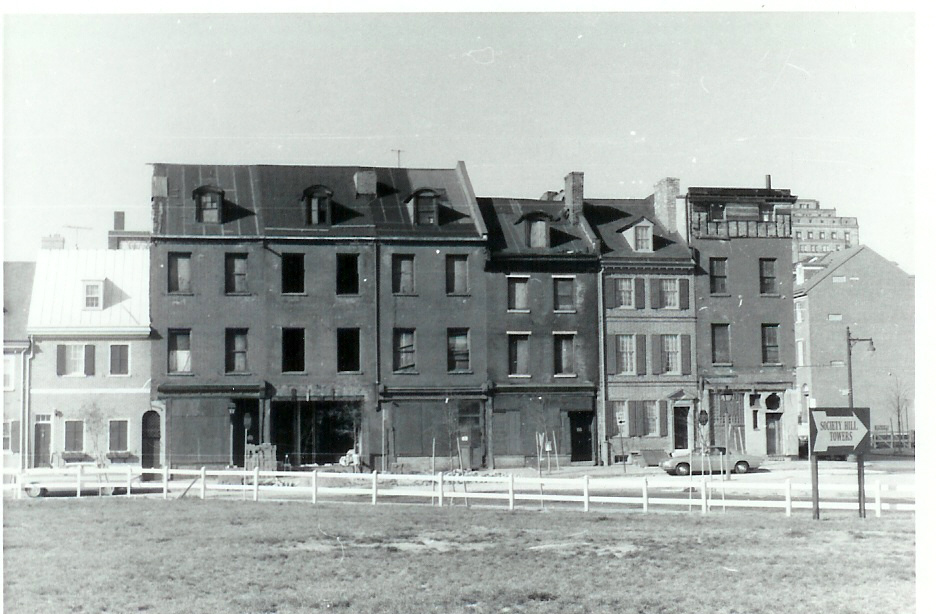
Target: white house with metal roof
[90, 390]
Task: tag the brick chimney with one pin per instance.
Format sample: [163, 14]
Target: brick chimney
[665, 203]
[365, 182]
[574, 195]
[118, 220]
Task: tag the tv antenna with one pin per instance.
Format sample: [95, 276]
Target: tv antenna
[398, 152]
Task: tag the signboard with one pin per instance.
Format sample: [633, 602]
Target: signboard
[839, 431]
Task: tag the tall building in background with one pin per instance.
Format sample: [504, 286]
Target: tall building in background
[818, 231]
[742, 238]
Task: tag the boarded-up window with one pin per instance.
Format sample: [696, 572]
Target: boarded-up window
[564, 293]
[768, 276]
[518, 348]
[235, 350]
[456, 274]
[539, 233]
[404, 278]
[235, 273]
[180, 354]
[721, 343]
[459, 355]
[770, 343]
[564, 354]
[718, 276]
[404, 350]
[517, 298]
[180, 272]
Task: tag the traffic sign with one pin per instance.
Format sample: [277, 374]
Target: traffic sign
[839, 430]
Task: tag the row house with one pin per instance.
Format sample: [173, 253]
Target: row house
[741, 241]
[856, 291]
[318, 310]
[648, 327]
[542, 315]
[17, 290]
[89, 363]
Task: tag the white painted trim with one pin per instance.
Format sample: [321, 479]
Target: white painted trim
[65, 391]
[75, 332]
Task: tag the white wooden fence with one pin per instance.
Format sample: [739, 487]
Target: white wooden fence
[702, 494]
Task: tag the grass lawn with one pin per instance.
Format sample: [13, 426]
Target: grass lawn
[191, 556]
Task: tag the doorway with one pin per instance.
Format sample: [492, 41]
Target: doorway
[312, 432]
[681, 428]
[42, 452]
[245, 428]
[774, 440]
[149, 447]
[580, 423]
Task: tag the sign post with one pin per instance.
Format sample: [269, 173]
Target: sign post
[838, 431]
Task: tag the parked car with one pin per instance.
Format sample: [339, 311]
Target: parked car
[712, 461]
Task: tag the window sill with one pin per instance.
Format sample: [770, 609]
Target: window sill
[406, 372]
[518, 311]
[722, 364]
[405, 294]
[75, 375]
[770, 294]
[295, 372]
[75, 457]
[771, 364]
[519, 375]
[239, 294]
[348, 295]
[564, 311]
[720, 294]
[460, 372]
[180, 374]
[458, 294]
[294, 294]
[565, 375]
[118, 375]
[180, 293]
[358, 372]
[237, 373]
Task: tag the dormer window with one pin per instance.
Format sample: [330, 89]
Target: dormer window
[208, 201]
[642, 239]
[424, 207]
[539, 233]
[317, 201]
[94, 295]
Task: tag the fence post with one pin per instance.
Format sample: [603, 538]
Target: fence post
[510, 493]
[129, 479]
[78, 491]
[585, 492]
[374, 488]
[165, 476]
[877, 499]
[646, 495]
[256, 484]
[314, 486]
[204, 485]
[704, 497]
[441, 488]
[789, 497]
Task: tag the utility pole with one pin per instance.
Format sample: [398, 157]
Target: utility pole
[851, 341]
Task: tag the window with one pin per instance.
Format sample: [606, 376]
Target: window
[517, 297]
[624, 288]
[539, 233]
[642, 239]
[518, 351]
[346, 274]
[235, 273]
[822, 235]
[564, 293]
[404, 350]
[848, 236]
[118, 436]
[626, 352]
[798, 311]
[94, 295]
[9, 372]
[799, 234]
[770, 343]
[293, 350]
[349, 350]
[317, 201]
[839, 279]
[75, 359]
[563, 354]
[721, 343]
[293, 273]
[768, 276]
[834, 235]
[180, 272]
[456, 274]
[800, 353]
[718, 275]
[404, 278]
[809, 234]
[459, 350]
[426, 205]
[208, 200]
[74, 436]
[180, 353]
[651, 418]
[120, 359]
[835, 317]
[670, 293]
[235, 350]
[671, 354]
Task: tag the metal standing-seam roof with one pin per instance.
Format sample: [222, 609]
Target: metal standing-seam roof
[611, 216]
[17, 288]
[504, 217]
[58, 301]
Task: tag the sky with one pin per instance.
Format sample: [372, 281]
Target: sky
[823, 102]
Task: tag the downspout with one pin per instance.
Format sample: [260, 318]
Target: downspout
[603, 448]
[377, 365]
[27, 392]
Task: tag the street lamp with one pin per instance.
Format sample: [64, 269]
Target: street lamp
[851, 341]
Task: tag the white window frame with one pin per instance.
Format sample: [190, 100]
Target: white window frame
[643, 244]
[9, 372]
[620, 298]
[670, 367]
[80, 372]
[111, 421]
[620, 353]
[672, 292]
[526, 334]
[83, 433]
[110, 359]
[87, 285]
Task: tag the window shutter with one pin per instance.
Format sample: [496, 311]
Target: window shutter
[612, 345]
[611, 294]
[684, 294]
[642, 417]
[639, 293]
[664, 419]
[686, 354]
[15, 436]
[656, 350]
[60, 360]
[655, 293]
[641, 354]
[632, 424]
[89, 359]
